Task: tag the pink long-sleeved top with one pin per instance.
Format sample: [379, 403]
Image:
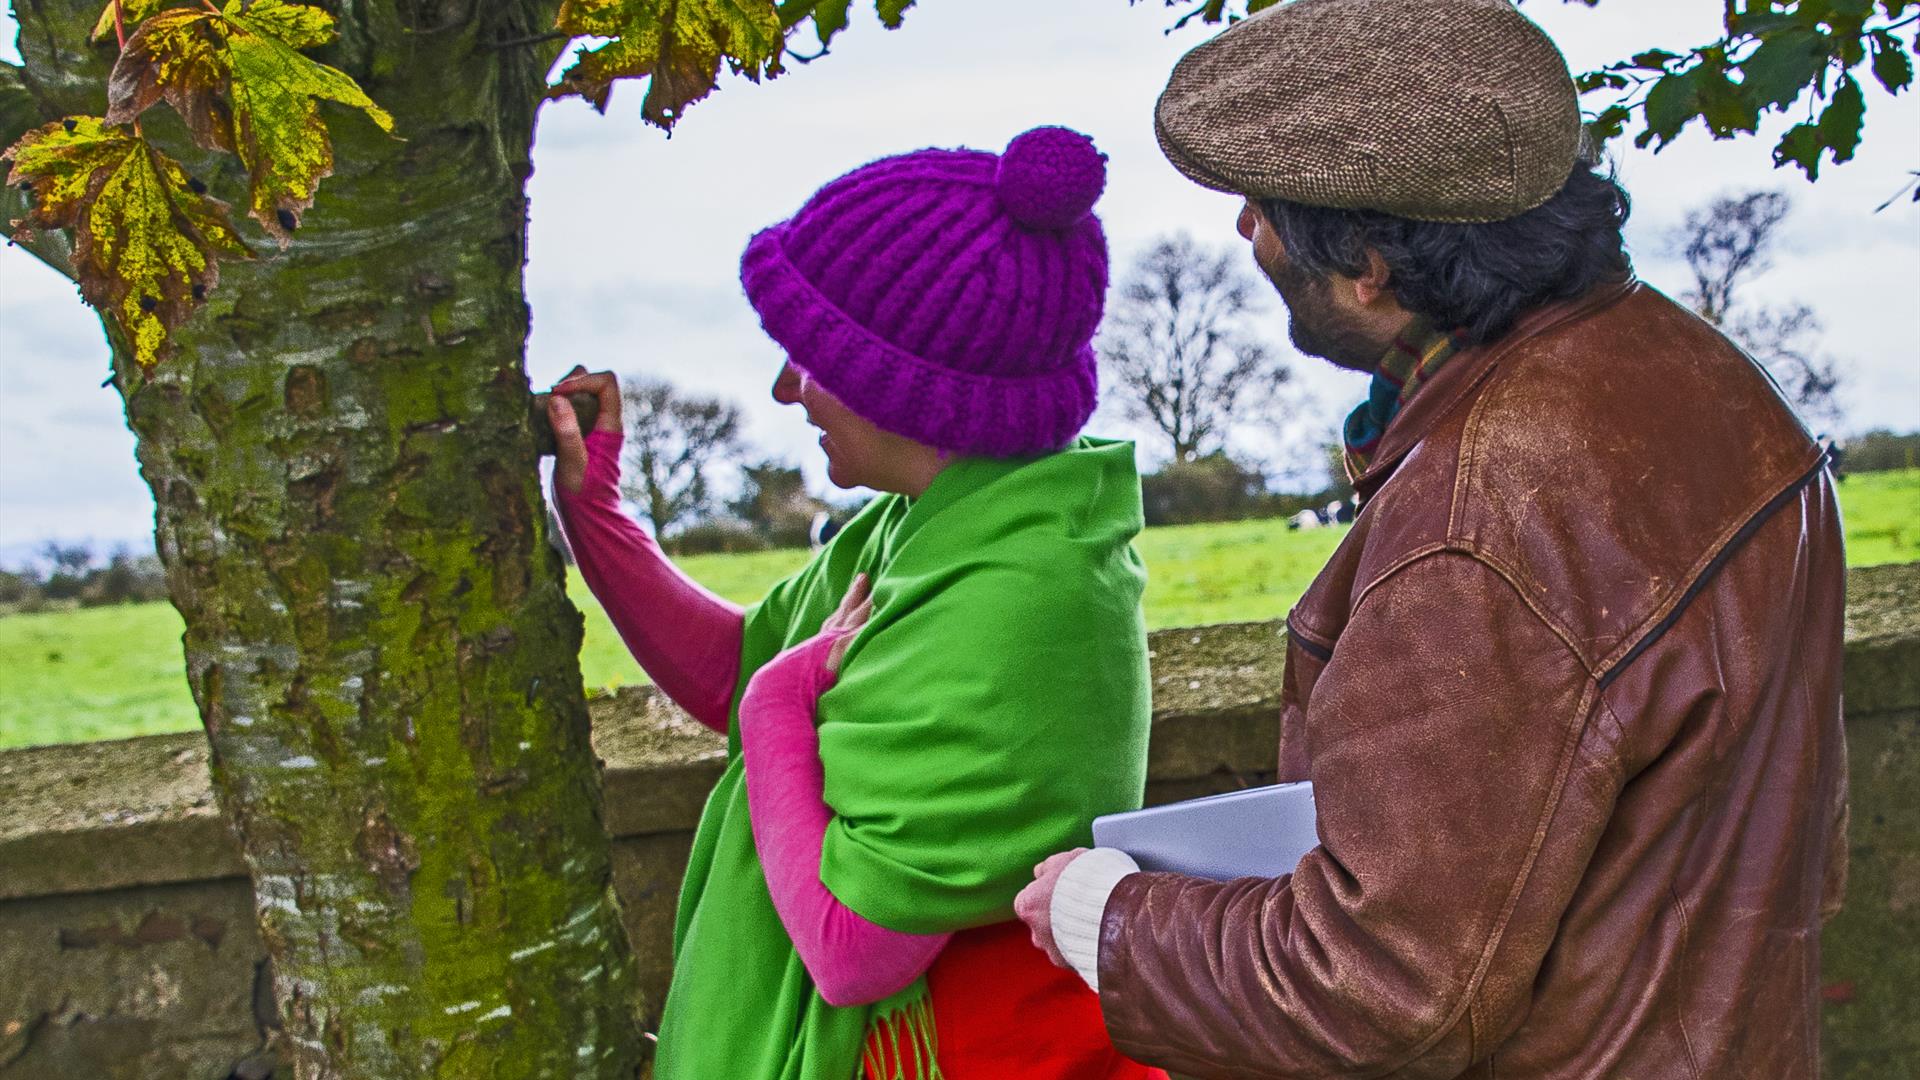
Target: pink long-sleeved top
[688, 641]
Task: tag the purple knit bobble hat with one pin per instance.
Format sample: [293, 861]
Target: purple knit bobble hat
[948, 295]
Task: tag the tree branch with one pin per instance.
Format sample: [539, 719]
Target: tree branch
[530, 39]
[19, 112]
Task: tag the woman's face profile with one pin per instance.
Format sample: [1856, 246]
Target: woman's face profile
[859, 454]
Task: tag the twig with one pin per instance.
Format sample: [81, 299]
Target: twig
[532, 39]
[1912, 182]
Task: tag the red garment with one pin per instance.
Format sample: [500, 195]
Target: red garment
[1002, 1011]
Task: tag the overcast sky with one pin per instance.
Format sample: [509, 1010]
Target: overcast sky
[636, 238]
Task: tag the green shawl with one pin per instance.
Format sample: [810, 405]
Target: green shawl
[995, 703]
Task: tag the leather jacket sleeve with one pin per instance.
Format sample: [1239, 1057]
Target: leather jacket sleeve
[1458, 806]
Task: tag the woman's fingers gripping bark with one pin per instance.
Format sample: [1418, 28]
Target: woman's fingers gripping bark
[569, 448]
[604, 385]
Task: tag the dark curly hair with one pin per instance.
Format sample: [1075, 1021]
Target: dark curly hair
[1477, 277]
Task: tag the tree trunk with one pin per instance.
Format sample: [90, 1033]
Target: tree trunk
[377, 634]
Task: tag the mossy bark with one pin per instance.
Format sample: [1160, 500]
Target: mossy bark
[377, 633]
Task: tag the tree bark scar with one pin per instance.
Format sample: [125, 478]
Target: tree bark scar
[306, 390]
[509, 543]
[386, 852]
[504, 781]
[316, 490]
[212, 694]
[298, 706]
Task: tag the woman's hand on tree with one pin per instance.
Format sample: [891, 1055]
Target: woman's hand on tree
[570, 448]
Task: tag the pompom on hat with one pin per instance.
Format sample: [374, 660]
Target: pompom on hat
[950, 296]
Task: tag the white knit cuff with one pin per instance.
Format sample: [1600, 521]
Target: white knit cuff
[1080, 899]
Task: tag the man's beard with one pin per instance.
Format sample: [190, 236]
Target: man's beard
[1319, 328]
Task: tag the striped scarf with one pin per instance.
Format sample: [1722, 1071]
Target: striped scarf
[1415, 355]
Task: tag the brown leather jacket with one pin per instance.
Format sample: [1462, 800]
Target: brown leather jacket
[1569, 695]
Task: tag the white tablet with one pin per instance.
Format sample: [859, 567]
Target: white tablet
[1259, 832]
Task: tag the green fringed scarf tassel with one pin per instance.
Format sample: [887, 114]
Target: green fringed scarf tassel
[902, 1031]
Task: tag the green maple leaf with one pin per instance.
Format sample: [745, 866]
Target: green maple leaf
[1802, 146]
[892, 11]
[131, 12]
[1837, 130]
[242, 85]
[1673, 101]
[1723, 104]
[1611, 121]
[1653, 60]
[1891, 64]
[1840, 121]
[677, 45]
[1783, 66]
[829, 18]
[146, 239]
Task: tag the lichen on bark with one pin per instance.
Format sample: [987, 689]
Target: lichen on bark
[377, 633]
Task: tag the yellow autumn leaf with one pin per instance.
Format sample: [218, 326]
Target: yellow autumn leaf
[179, 54]
[278, 132]
[242, 85]
[146, 238]
[299, 25]
[677, 45]
[131, 12]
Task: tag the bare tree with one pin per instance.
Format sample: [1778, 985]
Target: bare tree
[774, 501]
[1179, 351]
[1786, 340]
[1727, 243]
[71, 559]
[673, 440]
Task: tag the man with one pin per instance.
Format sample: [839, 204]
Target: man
[1569, 692]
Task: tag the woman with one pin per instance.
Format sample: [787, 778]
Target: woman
[954, 686]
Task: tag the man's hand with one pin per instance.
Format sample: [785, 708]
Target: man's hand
[570, 450]
[1034, 905]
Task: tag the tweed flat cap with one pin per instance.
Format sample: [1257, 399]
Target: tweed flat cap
[1439, 110]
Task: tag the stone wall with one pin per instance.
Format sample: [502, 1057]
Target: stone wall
[129, 951]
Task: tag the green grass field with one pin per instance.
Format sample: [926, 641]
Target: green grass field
[104, 673]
